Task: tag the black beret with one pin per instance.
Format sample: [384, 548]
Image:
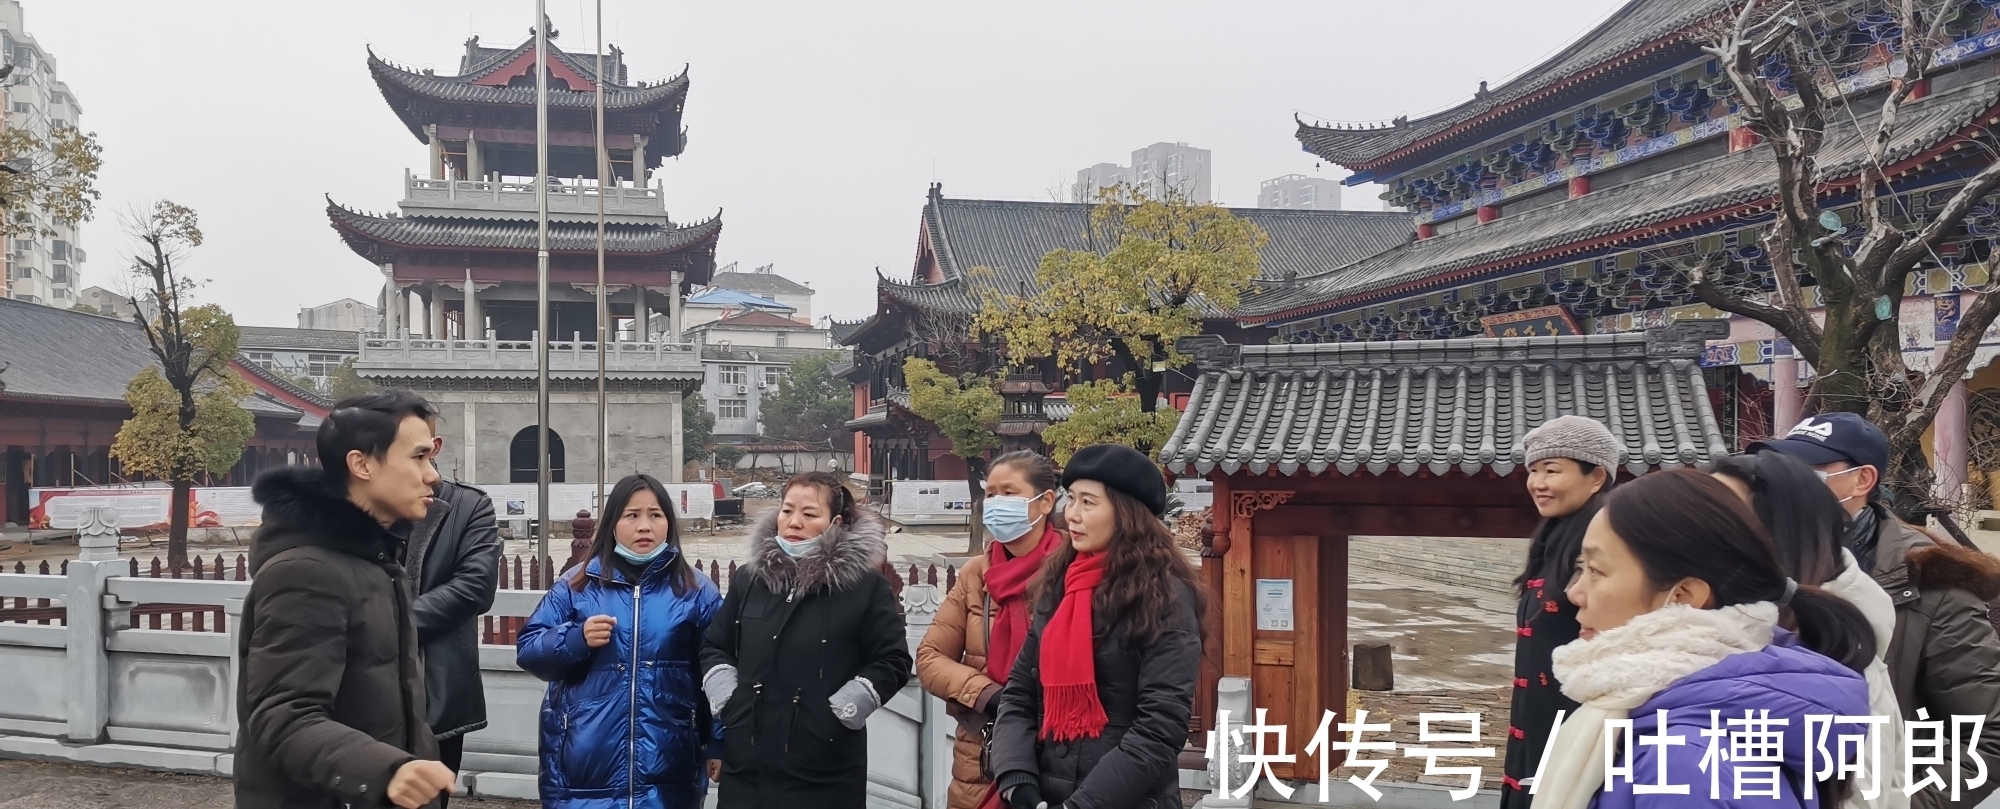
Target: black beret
[1122, 469]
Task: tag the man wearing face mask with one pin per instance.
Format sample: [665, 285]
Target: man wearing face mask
[1944, 657]
[970, 647]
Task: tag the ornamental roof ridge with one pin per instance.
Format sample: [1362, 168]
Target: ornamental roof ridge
[1636, 26]
[1721, 184]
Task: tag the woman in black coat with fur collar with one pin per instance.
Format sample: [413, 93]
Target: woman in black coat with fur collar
[808, 643]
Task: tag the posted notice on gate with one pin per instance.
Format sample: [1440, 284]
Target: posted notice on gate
[1274, 604]
[930, 502]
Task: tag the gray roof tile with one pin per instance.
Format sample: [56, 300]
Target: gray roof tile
[1011, 237]
[1637, 25]
[665, 97]
[519, 234]
[257, 338]
[63, 356]
[1711, 185]
[1438, 405]
[757, 283]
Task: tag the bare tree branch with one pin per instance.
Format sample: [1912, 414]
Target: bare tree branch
[1789, 319]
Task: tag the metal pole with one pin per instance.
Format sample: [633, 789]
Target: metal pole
[541, 284]
[603, 307]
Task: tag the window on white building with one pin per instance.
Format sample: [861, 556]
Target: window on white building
[784, 339]
[320, 366]
[732, 375]
[773, 375]
[732, 409]
[60, 273]
[1306, 195]
[261, 359]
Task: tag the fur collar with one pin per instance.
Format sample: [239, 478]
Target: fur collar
[841, 562]
[1951, 566]
[301, 510]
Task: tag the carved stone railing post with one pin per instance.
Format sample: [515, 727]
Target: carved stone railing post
[90, 622]
[1232, 700]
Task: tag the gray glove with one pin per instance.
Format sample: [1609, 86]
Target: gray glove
[719, 686]
[854, 702]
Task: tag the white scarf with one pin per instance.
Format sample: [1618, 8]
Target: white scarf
[1620, 669]
[1856, 587]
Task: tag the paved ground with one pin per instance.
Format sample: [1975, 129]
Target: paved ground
[37, 785]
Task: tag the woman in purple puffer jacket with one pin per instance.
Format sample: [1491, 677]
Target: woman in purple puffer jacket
[1686, 611]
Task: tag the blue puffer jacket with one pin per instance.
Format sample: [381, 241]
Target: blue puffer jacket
[1787, 679]
[611, 738]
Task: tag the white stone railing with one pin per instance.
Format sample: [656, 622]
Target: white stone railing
[449, 195]
[565, 356]
[98, 691]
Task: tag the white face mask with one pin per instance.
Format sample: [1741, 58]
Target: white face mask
[1827, 477]
[798, 548]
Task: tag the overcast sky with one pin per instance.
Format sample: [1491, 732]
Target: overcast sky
[815, 127]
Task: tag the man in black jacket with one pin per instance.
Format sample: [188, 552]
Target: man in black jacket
[453, 564]
[331, 700]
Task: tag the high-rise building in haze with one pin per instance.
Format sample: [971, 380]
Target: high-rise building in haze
[1154, 170]
[1300, 192]
[45, 266]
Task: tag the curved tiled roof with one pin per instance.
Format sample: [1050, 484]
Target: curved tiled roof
[1440, 405]
[1637, 28]
[57, 355]
[1009, 238]
[843, 329]
[517, 234]
[283, 383]
[1714, 185]
[665, 97]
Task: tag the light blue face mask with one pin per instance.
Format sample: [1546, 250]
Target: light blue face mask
[801, 547]
[1006, 517]
[639, 558]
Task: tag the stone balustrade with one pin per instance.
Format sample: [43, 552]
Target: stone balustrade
[517, 357]
[449, 197]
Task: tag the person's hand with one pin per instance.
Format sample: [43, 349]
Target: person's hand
[420, 782]
[597, 630]
[715, 770]
[1025, 796]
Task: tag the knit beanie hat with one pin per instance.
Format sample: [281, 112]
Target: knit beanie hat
[1573, 437]
[1121, 469]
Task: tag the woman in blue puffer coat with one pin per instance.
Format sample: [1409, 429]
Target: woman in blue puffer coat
[623, 723]
[1688, 619]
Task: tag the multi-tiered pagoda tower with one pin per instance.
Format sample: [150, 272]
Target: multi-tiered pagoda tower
[459, 263]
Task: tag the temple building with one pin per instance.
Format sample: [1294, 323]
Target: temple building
[1571, 200]
[458, 260]
[922, 315]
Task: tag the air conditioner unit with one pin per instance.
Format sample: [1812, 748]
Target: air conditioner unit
[762, 384]
[742, 388]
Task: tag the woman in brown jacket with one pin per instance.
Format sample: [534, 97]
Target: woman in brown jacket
[965, 657]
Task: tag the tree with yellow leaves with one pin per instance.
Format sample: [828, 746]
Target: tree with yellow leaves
[187, 413]
[1170, 261]
[966, 410]
[1107, 412]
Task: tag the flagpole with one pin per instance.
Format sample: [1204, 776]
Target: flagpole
[604, 183]
[543, 518]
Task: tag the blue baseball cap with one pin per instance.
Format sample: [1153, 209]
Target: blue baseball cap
[1832, 438]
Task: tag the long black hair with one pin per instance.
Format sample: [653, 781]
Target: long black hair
[1804, 519]
[1558, 540]
[679, 574]
[1682, 524]
[1140, 567]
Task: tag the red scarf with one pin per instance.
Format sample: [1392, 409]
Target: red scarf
[1070, 709]
[1007, 584]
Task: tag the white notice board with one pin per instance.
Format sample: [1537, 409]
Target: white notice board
[1274, 604]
